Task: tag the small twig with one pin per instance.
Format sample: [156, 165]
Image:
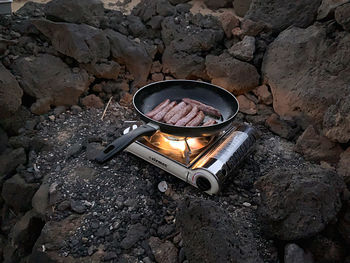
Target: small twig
[104, 112]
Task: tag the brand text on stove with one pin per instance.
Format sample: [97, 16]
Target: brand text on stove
[157, 161]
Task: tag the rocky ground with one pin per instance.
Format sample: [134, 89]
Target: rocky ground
[288, 65]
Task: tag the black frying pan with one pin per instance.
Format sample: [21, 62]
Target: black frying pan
[148, 97]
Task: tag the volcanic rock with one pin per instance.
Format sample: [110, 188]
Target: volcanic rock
[228, 22]
[310, 198]
[244, 50]
[3, 140]
[327, 8]
[336, 121]
[47, 85]
[18, 194]
[241, 7]
[40, 201]
[134, 234]
[316, 147]
[263, 94]
[216, 4]
[10, 93]
[163, 251]
[285, 129]
[246, 105]
[281, 14]
[342, 16]
[17, 121]
[295, 254]
[10, 159]
[134, 55]
[343, 165]
[104, 70]
[77, 11]
[325, 249]
[301, 65]
[232, 74]
[92, 101]
[175, 2]
[210, 235]
[164, 8]
[82, 42]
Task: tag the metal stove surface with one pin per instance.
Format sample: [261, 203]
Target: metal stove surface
[208, 165]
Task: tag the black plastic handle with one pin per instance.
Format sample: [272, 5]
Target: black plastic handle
[124, 141]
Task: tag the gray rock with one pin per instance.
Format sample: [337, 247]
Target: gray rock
[133, 55]
[326, 249]
[175, 2]
[82, 42]
[232, 74]
[336, 121]
[10, 93]
[10, 159]
[105, 70]
[300, 66]
[134, 234]
[59, 110]
[316, 147]
[34, 81]
[285, 129]
[78, 206]
[76, 109]
[17, 121]
[343, 167]
[164, 8]
[283, 13]
[216, 4]
[244, 50]
[92, 150]
[210, 235]
[298, 204]
[241, 7]
[342, 16]
[18, 194]
[75, 150]
[327, 8]
[40, 201]
[3, 141]
[295, 254]
[163, 251]
[84, 173]
[78, 12]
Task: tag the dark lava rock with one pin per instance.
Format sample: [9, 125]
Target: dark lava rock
[10, 93]
[316, 147]
[40, 201]
[210, 235]
[75, 150]
[77, 206]
[342, 16]
[10, 159]
[78, 11]
[103, 70]
[295, 254]
[283, 13]
[344, 223]
[241, 7]
[34, 81]
[81, 42]
[163, 251]
[15, 122]
[92, 150]
[216, 4]
[299, 203]
[135, 233]
[18, 194]
[285, 129]
[3, 140]
[326, 250]
[134, 55]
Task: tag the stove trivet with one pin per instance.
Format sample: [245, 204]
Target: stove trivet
[204, 162]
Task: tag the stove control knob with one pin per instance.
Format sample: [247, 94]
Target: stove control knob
[203, 183]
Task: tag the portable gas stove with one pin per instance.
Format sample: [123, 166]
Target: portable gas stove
[204, 162]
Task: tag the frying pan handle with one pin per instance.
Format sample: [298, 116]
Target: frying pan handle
[124, 141]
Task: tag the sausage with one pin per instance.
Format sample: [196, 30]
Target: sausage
[173, 111]
[158, 108]
[203, 107]
[159, 116]
[180, 114]
[196, 120]
[209, 122]
[183, 121]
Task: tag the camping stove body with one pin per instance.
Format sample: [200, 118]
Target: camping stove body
[205, 165]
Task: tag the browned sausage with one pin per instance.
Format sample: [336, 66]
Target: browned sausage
[203, 107]
[183, 121]
[180, 114]
[209, 122]
[173, 111]
[159, 116]
[158, 108]
[196, 120]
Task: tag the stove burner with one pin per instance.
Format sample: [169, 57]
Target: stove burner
[177, 144]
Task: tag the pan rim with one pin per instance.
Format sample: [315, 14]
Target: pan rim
[186, 80]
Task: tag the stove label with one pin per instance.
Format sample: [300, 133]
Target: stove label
[157, 161]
